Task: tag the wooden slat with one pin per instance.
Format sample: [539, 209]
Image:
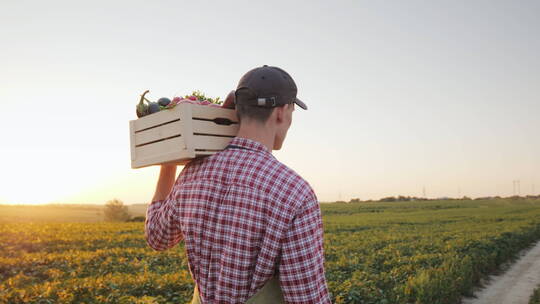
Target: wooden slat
[187, 124]
[205, 152]
[132, 140]
[168, 130]
[160, 117]
[210, 127]
[207, 112]
[179, 157]
[160, 148]
[210, 142]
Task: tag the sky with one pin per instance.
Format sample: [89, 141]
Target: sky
[440, 98]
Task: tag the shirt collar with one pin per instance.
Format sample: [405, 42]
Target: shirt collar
[249, 144]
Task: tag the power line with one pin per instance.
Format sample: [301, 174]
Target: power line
[516, 184]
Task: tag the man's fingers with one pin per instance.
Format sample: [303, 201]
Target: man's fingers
[229, 101]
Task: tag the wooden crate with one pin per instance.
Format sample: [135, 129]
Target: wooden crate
[180, 134]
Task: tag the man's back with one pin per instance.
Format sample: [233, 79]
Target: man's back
[244, 217]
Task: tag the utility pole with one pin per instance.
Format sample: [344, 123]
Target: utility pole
[424, 191]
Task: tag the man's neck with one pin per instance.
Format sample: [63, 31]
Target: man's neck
[258, 133]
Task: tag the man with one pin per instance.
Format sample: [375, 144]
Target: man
[252, 227]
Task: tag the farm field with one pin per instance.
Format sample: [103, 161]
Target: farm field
[56, 213]
[399, 252]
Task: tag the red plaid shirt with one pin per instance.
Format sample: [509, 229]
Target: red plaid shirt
[244, 217]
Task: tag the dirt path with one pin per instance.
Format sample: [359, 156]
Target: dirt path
[515, 285]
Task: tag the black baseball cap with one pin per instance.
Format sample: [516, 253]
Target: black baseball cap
[267, 86]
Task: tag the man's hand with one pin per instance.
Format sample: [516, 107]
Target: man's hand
[229, 101]
[167, 178]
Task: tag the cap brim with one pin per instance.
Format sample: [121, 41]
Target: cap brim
[300, 103]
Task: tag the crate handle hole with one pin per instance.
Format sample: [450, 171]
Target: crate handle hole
[223, 121]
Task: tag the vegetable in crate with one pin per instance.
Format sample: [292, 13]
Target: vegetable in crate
[199, 96]
[153, 107]
[195, 98]
[142, 108]
[164, 101]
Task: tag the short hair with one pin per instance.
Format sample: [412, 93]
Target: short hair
[256, 113]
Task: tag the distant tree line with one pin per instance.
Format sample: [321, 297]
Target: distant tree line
[402, 198]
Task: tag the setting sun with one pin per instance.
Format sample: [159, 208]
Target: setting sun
[56, 176]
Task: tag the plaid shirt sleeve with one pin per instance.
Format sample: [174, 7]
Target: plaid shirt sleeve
[301, 269]
[162, 226]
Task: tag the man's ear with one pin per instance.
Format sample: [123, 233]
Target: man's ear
[280, 113]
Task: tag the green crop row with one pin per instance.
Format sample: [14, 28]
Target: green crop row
[375, 253]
